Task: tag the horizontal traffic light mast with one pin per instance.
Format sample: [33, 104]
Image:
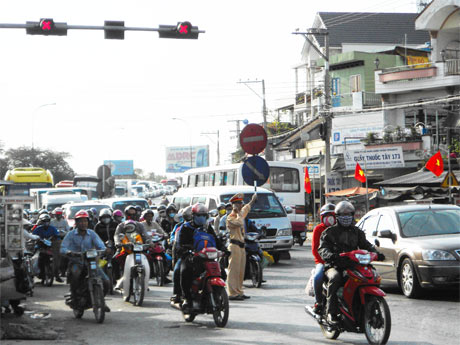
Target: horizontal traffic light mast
[112, 29]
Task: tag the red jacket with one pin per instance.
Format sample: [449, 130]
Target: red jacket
[317, 231]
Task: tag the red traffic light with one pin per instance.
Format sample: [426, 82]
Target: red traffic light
[47, 24]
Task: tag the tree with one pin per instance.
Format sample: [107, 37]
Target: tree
[46, 159]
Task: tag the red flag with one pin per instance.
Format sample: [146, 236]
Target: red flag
[307, 181]
[435, 164]
[359, 174]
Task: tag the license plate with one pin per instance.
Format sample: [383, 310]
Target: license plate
[266, 245]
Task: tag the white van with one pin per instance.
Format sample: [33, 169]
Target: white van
[267, 211]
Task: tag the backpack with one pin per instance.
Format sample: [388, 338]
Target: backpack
[202, 239]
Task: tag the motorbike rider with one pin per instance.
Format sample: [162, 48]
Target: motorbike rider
[187, 239]
[223, 220]
[327, 214]
[117, 216]
[95, 216]
[60, 223]
[237, 264]
[138, 212]
[120, 256]
[47, 231]
[151, 225]
[340, 238]
[106, 226]
[221, 213]
[91, 221]
[174, 241]
[79, 240]
[161, 214]
[168, 222]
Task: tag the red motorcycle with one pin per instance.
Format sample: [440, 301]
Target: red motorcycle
[362, 307]
[157, 252]
[208, 289]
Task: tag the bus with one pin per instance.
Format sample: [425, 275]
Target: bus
[286, 180]
[26, 178]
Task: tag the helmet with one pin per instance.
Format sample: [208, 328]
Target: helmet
[138, 208]
[105, 212]
[43, 211]
[161, 208]
[147, 211]
[221, 206]
[81, 214]
[187, 213]
[58, 211]
[328, 208]
[44, 217]
[228, 205]
[344, 207]
[90, 213]
[171, 207]
[130, 207]
[130, 225]
[94, 210]
[199, 208]
[117, 213]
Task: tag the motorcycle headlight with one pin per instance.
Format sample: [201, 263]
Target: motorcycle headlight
[91, 254]
[364, 259]
[138, 248]
[284, 232]
[433, 254]
[212, 255]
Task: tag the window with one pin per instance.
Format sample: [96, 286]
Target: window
[212, 179]
[200, 180]
[206, 179]
[429, 222]
[231, 178]
[212, 204]
[369, 226]
[385, 223]
[200, 199]
[218, 179]
[192, 181]
[355, 83]
[266, 205]
[223, 180]
[284, 179]
[183, 202]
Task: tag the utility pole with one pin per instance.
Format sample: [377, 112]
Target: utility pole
[325, 114]
[238, 131]
[218, 143]
[268, 150]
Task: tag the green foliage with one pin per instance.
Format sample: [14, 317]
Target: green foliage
[455, 146]
[47, 159]
[276, 127]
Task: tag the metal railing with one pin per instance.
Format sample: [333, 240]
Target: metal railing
[452, 67]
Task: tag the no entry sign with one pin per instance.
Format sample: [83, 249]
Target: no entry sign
[253, 139]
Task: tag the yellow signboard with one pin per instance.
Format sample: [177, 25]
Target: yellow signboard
[453, 181]
[418, 61]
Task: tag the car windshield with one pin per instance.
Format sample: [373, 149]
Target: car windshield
[121, 205]
[430, 222]
[74, 209]
[266, 206]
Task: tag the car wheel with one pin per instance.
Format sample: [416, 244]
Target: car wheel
[408, 280]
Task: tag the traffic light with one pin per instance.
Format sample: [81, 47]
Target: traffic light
[111, 34]
[183, 30]
[47, 27]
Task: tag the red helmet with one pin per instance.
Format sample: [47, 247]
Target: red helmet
[199, 209]
[57, 210]
[81, 214]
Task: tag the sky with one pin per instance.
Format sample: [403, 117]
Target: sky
[103, 99]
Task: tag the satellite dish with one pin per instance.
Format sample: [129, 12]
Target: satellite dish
[304, 136]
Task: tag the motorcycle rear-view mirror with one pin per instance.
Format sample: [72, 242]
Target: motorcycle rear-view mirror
[213, 213]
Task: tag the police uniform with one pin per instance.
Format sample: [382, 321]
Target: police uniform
[237, 263]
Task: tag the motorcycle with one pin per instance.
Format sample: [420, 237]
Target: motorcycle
[91, 292]
[136, 273]
[158, 264]
[44, 246]
[223, 260]
[362, 307]
[28, 265]
[208, 289]
[254, 269]
[106, 264]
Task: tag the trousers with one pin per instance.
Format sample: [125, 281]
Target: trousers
[236, 267]
[335, 281]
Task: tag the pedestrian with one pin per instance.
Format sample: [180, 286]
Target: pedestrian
[237, 263]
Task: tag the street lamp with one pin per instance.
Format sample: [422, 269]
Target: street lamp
[33, 119]
[377, 63]
[190, 133]
[218, 140]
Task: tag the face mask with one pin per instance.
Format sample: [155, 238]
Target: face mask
[329, 220]
[118, 218]
[105, 220]
[222, 212]
[162, 214]
[46, 224]
[345, 221]
[172, 215]
[199, 220]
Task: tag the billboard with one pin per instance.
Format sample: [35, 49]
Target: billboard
[382, 158]
[182, 158]
[121, 167]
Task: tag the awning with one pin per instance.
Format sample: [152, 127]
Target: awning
[352, 192]
[419, 178]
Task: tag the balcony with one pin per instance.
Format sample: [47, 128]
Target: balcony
[356, 100]
[418, 77]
